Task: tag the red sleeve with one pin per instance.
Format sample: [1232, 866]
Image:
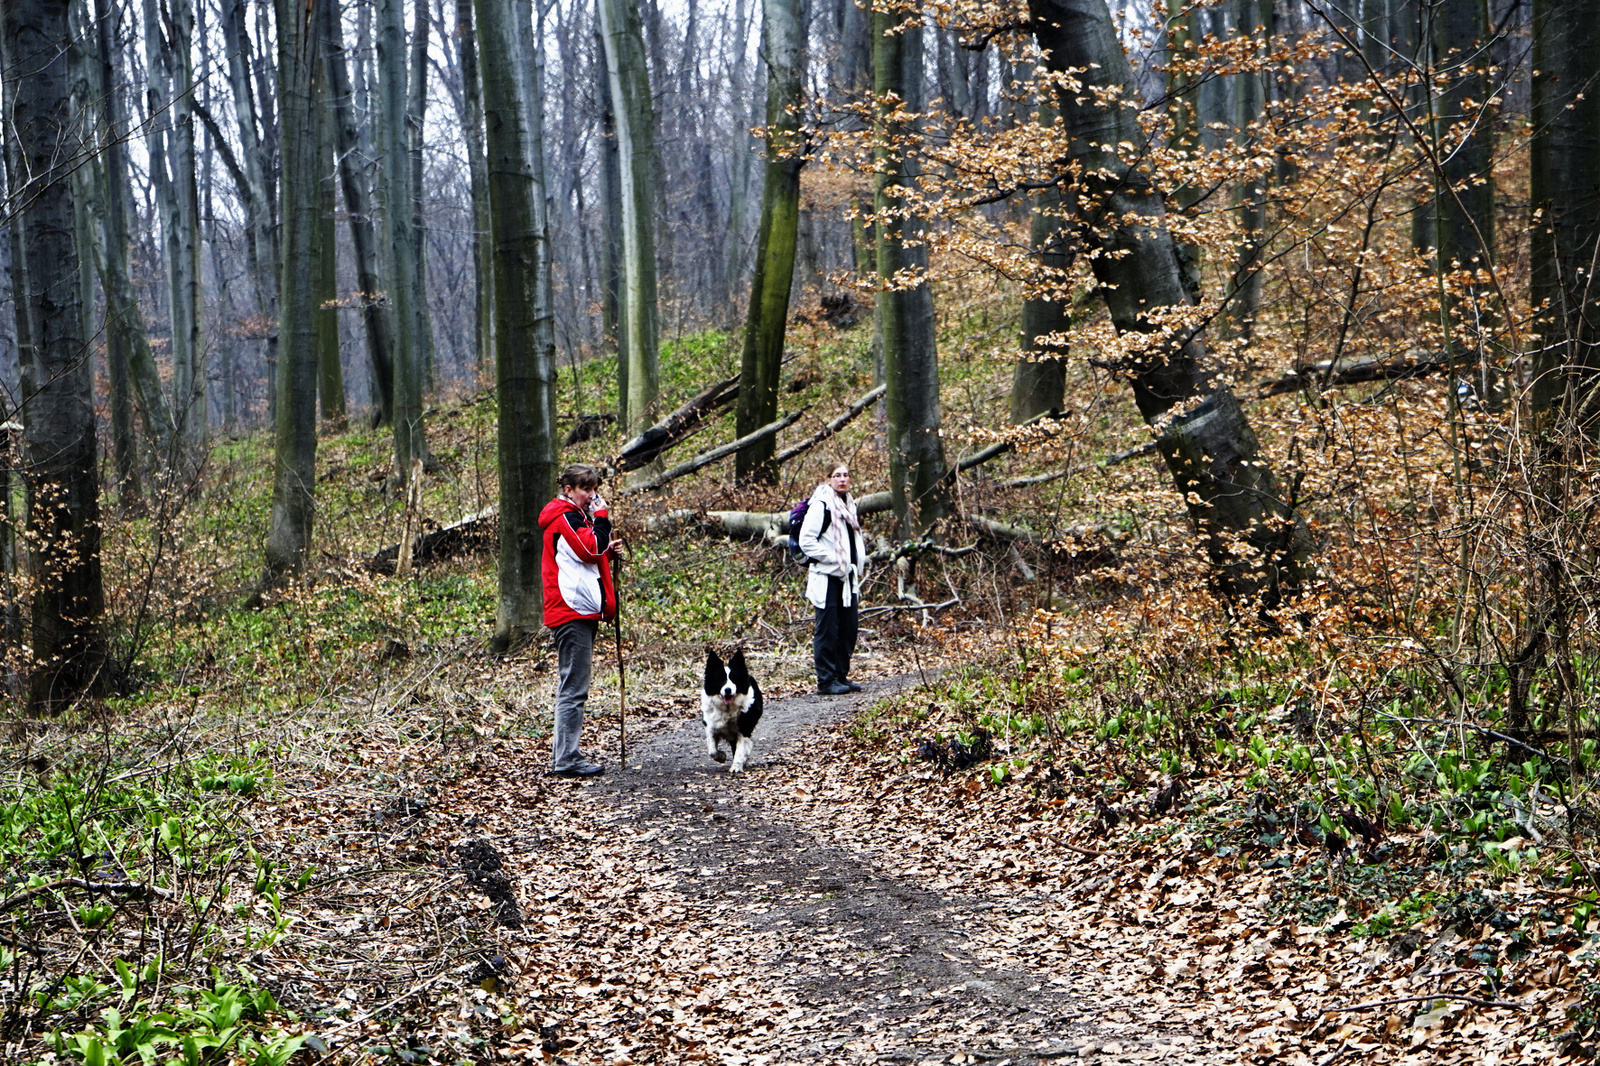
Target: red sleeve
[580, 539]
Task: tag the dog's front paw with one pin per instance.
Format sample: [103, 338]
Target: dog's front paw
[720, 756]
[736, 768]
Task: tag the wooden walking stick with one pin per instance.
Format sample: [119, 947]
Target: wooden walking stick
[622, 676]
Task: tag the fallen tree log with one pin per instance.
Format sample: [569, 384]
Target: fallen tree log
[1390, 368]
[475, 532]
[830, 429]
[676, 427]
[707, 458]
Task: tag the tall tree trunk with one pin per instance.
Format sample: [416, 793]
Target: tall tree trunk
[395, 162]
[63, 525]
[768, 317]
[1565, 244]
[852, 80]
[295, 445]
[1464, 197]
[628, 79]
[611, 267]
[1208, 445]
[261, 228]
[131, 365]
[325, 264]
[524, 330]
[1465, 215]
[1250, 99]
[227, 375]
[170, 68]
[1040, 381]
[364, 239]
[739, 165]
[478, 164]
[416, 115]
[918, 476]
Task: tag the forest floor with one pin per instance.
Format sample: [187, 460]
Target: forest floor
[837, 904]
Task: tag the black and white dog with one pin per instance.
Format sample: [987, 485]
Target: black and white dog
[730, 703]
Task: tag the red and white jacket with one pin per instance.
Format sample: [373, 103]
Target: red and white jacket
[577, 577]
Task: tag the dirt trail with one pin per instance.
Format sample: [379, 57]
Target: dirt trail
[893, 970]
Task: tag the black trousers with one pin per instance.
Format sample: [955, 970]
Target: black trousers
[834, 640]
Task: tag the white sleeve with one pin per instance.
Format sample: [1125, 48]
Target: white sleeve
[811, 542]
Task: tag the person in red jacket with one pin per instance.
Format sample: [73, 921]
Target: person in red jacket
[578, 595]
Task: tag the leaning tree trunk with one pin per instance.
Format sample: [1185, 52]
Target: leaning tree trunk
[764, 329]
[918, 476]
[1208, 445]
[358, 208]
[295, 450]
[1565, 244]
[524, 330]
[395, 162]
[629, 81]
[63, 492]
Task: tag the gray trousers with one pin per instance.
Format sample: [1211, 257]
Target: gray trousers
[574, 658]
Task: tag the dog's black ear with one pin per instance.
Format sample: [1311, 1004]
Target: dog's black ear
[736, 667]
[716, 674]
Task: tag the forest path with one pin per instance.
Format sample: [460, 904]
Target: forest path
[883, 968]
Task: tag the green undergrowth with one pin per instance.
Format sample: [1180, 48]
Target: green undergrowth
[1374, 814]
[132, 894]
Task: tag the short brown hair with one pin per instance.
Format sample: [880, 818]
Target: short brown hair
[581, 476]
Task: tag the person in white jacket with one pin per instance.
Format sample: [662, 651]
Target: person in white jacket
[830, 536]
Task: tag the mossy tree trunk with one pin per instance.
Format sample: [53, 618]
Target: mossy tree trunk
[632, 112]
[917, 471]
[524, 326]
[768, 317]
[295, 443]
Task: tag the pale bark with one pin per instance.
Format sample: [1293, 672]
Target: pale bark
[628, 80]
[524, 329]
[917, 469]
[416, 115]
[260, 209]
[767, 323]
[739, 167]
[295, 445]
[325, 266]
[394, 162]
[364, 237]
[1209, 447]
[170, 141]
[472, 129]
[63, 523]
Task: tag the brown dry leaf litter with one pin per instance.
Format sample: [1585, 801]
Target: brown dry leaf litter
[839, 903]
